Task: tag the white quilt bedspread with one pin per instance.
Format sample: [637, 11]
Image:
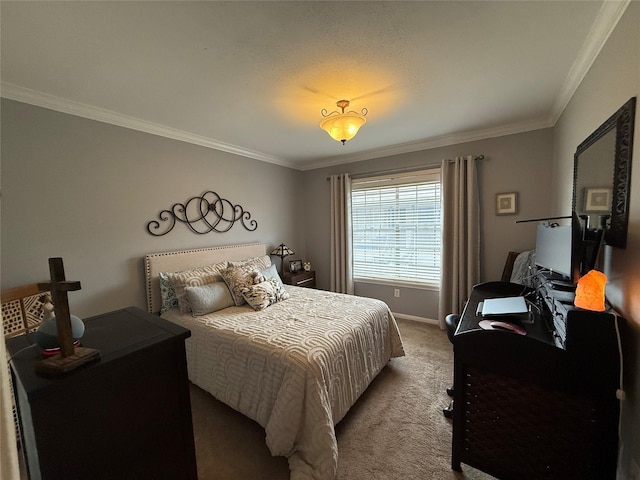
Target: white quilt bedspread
[296, 367]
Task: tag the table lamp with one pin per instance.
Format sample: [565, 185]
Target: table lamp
[590, 291]
[282, 251]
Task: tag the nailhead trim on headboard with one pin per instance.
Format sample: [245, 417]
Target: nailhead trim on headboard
[187, 259]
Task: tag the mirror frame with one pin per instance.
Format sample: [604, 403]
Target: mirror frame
[623, 122]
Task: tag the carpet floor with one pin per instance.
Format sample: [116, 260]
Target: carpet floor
[395, 431]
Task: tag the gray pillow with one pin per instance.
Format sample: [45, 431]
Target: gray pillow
[209, 298]
[271, 273]
[203, 275]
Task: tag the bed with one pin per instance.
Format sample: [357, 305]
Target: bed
[295, 366]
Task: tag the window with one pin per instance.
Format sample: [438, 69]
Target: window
[397, 225]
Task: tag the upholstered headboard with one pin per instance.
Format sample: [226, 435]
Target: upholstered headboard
[155, 263]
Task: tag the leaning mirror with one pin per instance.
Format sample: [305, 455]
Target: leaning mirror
[602, 176]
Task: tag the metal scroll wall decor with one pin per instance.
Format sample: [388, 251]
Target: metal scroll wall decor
[204, 214]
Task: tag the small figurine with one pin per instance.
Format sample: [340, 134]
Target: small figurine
[257, 277]
[47, 307]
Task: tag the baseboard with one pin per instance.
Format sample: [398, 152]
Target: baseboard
[415, 318]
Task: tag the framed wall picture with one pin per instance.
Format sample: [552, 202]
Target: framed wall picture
[597, 200]
[506, 203]
[295, 266]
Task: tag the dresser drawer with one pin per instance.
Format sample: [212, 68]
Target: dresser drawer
[300, 279]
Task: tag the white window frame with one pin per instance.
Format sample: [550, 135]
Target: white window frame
[421, 264]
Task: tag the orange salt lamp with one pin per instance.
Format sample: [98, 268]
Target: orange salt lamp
[590, 291]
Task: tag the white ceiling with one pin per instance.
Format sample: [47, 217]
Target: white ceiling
[252, 77]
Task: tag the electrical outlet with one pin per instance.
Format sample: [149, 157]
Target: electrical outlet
[396, 293]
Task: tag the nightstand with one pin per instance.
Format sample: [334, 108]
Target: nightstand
[125, 416]
[300, 279]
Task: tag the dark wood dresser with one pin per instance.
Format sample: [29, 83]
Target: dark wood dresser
[125, 416]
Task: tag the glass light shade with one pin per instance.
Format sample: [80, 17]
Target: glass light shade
[343, 126]
[590, 291]
[282, 251]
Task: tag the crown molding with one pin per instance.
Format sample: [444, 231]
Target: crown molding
[59, 104]
[52, 102]
[604, 24]
[427, 144]
[610, 13]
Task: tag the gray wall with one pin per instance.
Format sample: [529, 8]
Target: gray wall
[85, 191]
[513, 163]
[611, 81]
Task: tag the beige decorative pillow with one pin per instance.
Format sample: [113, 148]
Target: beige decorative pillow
[238, 278]
[192, 278]
[259, 263]
[263, 294]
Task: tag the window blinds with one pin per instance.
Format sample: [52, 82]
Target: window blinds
[397, 225]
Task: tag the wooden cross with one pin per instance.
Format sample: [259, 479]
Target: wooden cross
[69, 357]
[59, 288]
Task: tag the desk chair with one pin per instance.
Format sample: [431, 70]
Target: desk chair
[451, 321]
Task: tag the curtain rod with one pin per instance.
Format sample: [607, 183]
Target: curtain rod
[402, 170]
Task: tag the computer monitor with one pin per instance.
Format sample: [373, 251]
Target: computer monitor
[554, 247]
[569, 250]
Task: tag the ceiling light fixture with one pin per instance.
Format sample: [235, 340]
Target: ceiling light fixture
[342, 126]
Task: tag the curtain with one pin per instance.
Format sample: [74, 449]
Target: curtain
[341, 254]
[8, 451]
[460, 234]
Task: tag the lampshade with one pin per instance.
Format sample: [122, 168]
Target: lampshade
[342, 126]
[590, 291]
[282, 251]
